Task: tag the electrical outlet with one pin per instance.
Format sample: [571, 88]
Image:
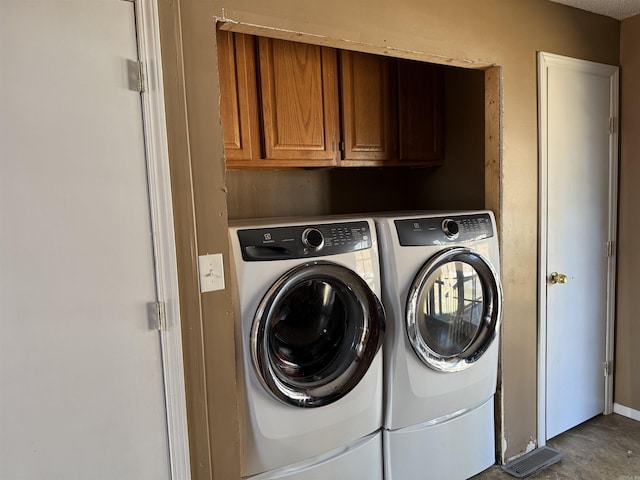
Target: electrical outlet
[211, 272]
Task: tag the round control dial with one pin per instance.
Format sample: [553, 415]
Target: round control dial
[313, 239]
[450, 228]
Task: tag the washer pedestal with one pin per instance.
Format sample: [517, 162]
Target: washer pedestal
[454, 449]
[361, 459]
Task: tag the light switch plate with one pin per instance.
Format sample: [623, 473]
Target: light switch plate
[211, 272]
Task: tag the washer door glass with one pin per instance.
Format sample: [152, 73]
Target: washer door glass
[315, 334]
[454, 309]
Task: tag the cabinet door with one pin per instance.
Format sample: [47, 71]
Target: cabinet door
[368, 109]
[299, 103]
[420, 107]
[238, 97]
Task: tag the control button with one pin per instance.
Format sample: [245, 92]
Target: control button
[450, 228]
[313, 238]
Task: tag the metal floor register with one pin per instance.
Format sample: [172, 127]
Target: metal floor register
[533, 462]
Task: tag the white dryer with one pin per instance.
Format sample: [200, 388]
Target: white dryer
[309, 333]
[443, 298]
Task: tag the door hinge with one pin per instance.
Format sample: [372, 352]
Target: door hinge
[609, 249]
[157, 316]
[136, 76]
[608, 368]
[612, 125]
[341, 145]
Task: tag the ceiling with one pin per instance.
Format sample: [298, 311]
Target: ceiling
[619, 9]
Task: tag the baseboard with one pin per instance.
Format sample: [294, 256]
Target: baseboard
[626, 411]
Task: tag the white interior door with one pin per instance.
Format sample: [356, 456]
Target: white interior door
[81, 381]
[578, 178]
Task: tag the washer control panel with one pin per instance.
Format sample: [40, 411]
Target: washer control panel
[444, 230]
[301, 241]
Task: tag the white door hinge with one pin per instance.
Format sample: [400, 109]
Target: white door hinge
[612, 125]
[157, 316]
[608, 368]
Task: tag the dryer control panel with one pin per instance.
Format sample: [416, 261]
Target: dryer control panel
[443, 230]
[301, 241]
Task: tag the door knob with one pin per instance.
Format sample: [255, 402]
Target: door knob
[556, 277]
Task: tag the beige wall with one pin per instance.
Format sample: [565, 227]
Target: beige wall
[507, 33]
[627, 362]
[200, 212]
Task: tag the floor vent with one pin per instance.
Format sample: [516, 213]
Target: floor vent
[533, 462]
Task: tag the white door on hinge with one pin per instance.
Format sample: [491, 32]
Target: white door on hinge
[578, 178]
[81, 378]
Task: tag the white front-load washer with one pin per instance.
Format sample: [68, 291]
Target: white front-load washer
[309, 332]
[443, 298]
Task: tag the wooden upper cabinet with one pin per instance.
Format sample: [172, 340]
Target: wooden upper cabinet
[299, 87]
[368, 106]
[239, 97]
[420, 112]
[290, 104]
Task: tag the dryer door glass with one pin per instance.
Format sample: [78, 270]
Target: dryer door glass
[451, 307]
[454, 309]
[315, 334]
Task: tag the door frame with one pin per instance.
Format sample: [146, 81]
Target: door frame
[163, 235]
[545, 62]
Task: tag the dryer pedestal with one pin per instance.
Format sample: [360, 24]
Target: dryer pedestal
[454, 449]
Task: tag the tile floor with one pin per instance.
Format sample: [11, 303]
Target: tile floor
[603, 448]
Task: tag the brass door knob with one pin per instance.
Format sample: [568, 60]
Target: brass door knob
[556, 277]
